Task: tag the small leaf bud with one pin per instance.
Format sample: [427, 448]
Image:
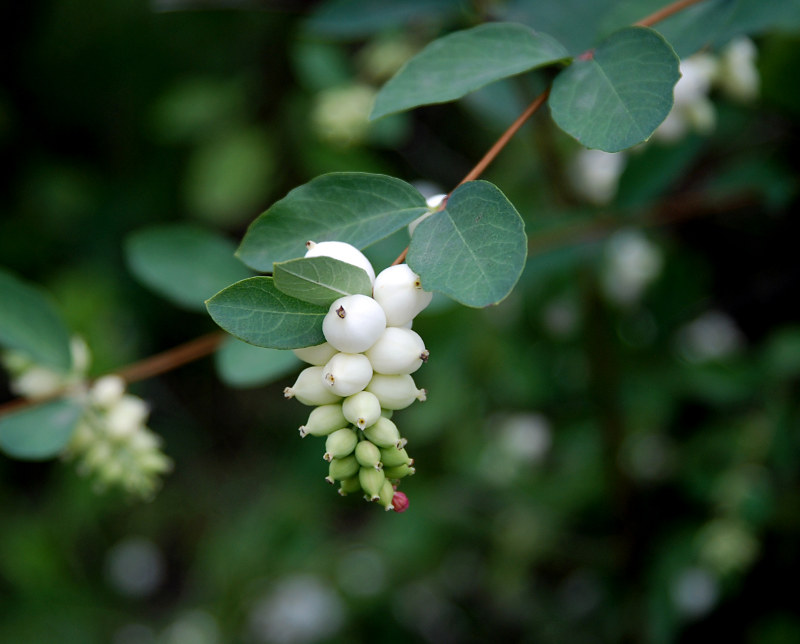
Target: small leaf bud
[383, 433]
[324, 420]
[371, 482]
[353, 323]
[400, 501]
[399, 291]
[340, 443]
[310, 389]
[392, 456]
[398, 351]
[368, 455]
[396, 391]
[343, 252]
[346, 374]
[362, 409]
[317, 355]
[342, 468]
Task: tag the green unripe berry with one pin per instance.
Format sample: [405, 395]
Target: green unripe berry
[398, 471]
[317, 355]
[362, 409]
[386, 495]
[371, 482]
[342, 468]
[310, 389]
[368, 455]
[349, 486]
[387, 413]
[340, 443]
[395, 392]
[383, 433]
[324, 420]
[392, 456]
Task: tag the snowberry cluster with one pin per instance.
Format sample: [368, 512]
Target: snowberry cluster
[361, 375]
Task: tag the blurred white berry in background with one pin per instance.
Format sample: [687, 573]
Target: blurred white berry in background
[631, 263]
[595, 174]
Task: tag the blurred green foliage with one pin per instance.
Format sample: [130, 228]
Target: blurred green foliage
[589, 469]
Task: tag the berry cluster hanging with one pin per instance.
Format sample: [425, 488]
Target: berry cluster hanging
[361, 374]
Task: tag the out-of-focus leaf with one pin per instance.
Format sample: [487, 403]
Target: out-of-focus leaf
[472, 251]
[320, 280]
[29, 322]
[243, 365]
[39, 432]
[350, 19]
[557, 18]
[184, 263]
[230, 176]
[617, 97]
[461, 62]
[255, 311]
[353, 207]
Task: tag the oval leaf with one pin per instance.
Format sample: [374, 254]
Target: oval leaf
[183, 263]
[255, 311]
[461, 62]
[39, 432]
[29, 322]
[353, 207]
[472, 251]
[320, 280]
[617, 97]
[243, 365]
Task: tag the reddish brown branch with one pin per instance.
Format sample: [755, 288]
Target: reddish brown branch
[666, 12]
[172, 358]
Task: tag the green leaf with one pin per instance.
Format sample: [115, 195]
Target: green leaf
[39, 432]
[320, 280]
[617, 97]
[255, 311]
[353, 207]
[30, 322]
[243, 365]
[183, 263]
[346, 19]
[472, 251]
[461, 62]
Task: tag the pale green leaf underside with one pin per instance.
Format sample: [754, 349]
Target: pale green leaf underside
[30, 323]
[39, 432]
[617, 98]
[243, 365]
[461, 62]
[472, 251]
[255, 311]
[185, 264]
[353, 207]
[320, 280]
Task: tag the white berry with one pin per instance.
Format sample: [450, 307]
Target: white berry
[347, 373]
[395, 392]
[362, 409]
[309, 388]
[317, 355]
[343, 252]
[399, 291]
[397, 351]
[354, 323]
